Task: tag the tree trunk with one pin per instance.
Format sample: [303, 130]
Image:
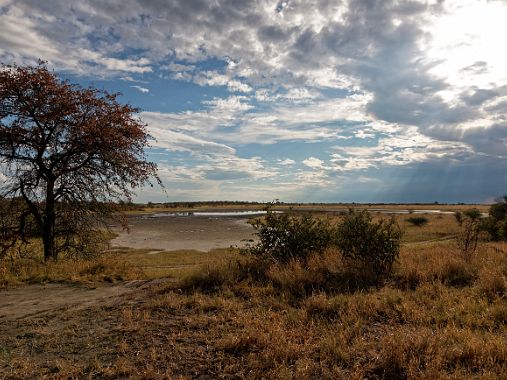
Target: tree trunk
[48, 228]
[49, 241]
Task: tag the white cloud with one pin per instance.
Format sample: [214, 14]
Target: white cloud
[177, 67]
[407, 148]
[181, 142]
[232, 104]
[18, 37]
[219, 113]
[24, 39]
[144, 90]
[314, 163]
[286, 162]
[213, 78]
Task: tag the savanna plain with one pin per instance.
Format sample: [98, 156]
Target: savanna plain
[154, 310]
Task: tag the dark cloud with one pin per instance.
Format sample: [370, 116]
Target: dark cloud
[478, 96]
[491, 140]
[479, 67]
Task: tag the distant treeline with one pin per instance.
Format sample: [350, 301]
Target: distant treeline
[198, 204]
[192, 204]
[131, 206]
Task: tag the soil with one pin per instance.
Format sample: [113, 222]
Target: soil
[36, 300]
[59, 330]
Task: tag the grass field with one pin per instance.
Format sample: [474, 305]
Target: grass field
[224, 315]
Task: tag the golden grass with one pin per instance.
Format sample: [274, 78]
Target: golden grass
[109, 269]
[230, 316]
[438, 227]
[177, 264]
[115, 265]
[450, 321]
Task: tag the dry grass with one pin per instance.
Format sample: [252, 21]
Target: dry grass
[437, 316]
[438, 227]
[294, 322]
[116, 265]
[107, 268]
[176, 264]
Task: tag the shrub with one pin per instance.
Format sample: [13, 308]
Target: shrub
[283, 236]
[467, 239]
[498, 210]
[417, 221]
[496, 223]
[375, 245]
[226, 273]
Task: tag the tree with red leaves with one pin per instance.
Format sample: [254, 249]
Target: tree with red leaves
[66, 153]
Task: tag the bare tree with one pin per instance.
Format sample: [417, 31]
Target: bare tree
[66, 153]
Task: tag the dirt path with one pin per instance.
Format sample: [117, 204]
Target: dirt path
[35, 300]
[437, 240]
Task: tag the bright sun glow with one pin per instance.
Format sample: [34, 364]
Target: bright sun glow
[468, 40]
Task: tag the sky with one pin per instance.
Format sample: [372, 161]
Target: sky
[301, 101]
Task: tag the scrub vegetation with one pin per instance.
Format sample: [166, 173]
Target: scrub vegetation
[317, 310]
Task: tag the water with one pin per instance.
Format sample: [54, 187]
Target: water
[394, 211]
[217, 214]
[249, 213]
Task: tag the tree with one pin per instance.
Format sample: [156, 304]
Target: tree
[66, 153]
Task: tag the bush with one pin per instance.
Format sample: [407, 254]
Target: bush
[284, 237]
[417, 221]
[496, 223]
[368, 248]
[226, 273]
[470, 222]
[374, 245]
[498, 211]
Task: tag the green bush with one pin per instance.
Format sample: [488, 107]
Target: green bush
[498, 210]
[284, 236]
[417, 221]
[374, 245]
[496, 223]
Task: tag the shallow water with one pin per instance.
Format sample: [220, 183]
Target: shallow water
[411, 211]
[171, 231]
[207, 213]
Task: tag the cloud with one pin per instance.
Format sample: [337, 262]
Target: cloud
[403, 149]
[234, 120]
[181, 142]
[177, 67]
[286, 162]
[388, 83]
[314, 163]
[213, 78]
[28, 34]
[141, 89]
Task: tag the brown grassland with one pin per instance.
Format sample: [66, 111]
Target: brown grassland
[226, 315]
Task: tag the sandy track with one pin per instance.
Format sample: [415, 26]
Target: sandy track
[34, 300]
